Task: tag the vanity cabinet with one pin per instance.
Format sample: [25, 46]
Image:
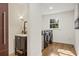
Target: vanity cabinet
[21, 45]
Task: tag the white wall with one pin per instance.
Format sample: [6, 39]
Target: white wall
[76, 15]
[65, 32]
[34, 30]
[15, 24]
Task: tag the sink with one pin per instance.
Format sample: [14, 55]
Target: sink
[22, 35]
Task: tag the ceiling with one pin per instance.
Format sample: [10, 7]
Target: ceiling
[57, 7]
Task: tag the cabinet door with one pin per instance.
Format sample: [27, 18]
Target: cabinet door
[17, 42]
[3, 29]
[22, 43]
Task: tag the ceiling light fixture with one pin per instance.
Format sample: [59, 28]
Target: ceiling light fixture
[50, 8]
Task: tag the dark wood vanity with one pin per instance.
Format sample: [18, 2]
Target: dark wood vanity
[21, 45]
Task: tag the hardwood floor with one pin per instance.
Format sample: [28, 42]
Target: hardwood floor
[59, 49]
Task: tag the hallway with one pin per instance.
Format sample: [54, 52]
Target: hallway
[59, 49]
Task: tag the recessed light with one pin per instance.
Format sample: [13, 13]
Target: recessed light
[50, 8]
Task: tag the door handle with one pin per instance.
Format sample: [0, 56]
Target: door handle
[4, 27]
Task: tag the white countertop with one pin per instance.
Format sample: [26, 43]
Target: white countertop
[22, 35]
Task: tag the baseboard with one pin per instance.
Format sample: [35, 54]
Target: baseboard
[64, 43]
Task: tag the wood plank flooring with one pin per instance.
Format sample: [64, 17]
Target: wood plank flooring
[59, 49]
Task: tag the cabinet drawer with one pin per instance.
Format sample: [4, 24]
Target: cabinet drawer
[17, 37]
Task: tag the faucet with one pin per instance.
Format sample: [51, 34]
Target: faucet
[24, 28]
